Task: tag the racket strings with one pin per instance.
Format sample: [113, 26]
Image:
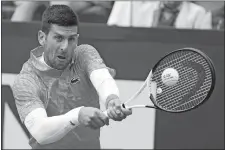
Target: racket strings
[180, 91]
[172, 97]
[194, 102]
[173, 60]
[184, 79]
[175, 101]
[177, 60]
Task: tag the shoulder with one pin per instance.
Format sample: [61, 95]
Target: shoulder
[86, 53]
[27, 73]
[85, 50]
[25, 77]
[26, 82]
[88, 58]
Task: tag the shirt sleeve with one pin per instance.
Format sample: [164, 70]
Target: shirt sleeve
[27, 95]
[89, 59]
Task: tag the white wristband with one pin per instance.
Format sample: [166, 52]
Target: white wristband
[73, 115]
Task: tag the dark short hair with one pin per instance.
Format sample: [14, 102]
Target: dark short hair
[61, 15]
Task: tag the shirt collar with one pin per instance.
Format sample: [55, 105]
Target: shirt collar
[41, 59]
[43, 68]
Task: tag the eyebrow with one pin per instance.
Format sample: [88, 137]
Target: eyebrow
[76, 34]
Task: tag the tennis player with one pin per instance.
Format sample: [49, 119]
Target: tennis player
[57, 92]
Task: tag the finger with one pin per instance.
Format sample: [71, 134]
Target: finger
[118, 114]
[112, 114]
[117, 104]
[93, 125]
[126, 111]
[123, 115]
[99, 118]
[104, 118]
[98, 121]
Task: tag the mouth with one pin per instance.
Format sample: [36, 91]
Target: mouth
[61, 57]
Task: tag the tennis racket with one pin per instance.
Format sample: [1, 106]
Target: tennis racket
[180, 81]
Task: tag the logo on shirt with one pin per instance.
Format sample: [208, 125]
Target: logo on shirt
[74, 80]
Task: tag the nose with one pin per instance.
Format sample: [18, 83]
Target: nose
[64, 45]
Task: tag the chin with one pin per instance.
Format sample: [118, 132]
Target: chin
[61, 67]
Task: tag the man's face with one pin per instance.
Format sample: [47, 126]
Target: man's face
[59, 46]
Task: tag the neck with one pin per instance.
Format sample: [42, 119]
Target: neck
[43, 59]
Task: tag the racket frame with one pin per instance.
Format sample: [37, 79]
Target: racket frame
[141, 89]
[149, 80]
[212, 69]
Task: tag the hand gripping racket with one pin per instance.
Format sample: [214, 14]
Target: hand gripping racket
[180, 81]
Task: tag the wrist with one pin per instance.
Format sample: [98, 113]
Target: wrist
[110, 100]
[73, 115]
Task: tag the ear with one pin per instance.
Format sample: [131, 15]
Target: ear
[41, 37]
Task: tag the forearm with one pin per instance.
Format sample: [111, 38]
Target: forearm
[105, 85]
[108, 92]
[52, 129]
[47, 130]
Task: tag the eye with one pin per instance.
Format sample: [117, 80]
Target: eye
[71, 39]
[59, 38]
